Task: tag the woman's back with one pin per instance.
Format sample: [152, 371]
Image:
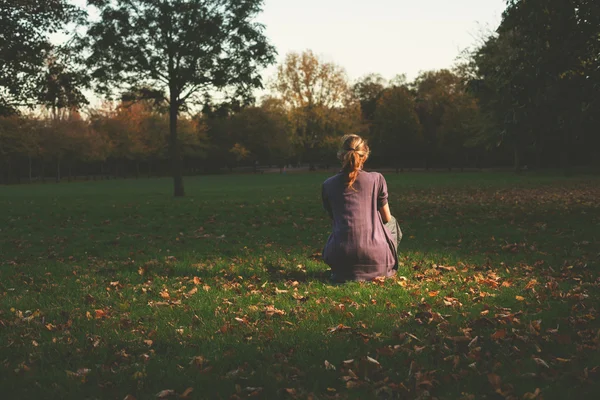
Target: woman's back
[359, 247]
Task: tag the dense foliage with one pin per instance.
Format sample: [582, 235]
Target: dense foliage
[182, 101]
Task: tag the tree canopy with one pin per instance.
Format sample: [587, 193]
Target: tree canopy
[25, 27]
[181, 47]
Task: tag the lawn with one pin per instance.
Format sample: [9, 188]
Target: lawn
[116, 290]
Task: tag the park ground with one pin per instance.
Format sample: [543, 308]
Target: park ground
[117, 290]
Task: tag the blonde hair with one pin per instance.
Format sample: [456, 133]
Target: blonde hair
[353, 154]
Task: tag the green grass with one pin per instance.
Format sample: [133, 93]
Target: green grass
[223, 291]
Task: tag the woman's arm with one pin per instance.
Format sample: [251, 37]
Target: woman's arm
[325, 200]
[386, 215]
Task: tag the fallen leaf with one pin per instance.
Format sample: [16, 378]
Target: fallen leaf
[165, 393]
[193, 291]
[270, 311]
[329, 366]
[499, 334]
[531, 396]
[372, 360]
[541, 362]
[494, 380]
[186, 393]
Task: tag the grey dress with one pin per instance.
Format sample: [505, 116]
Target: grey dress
[360, 247]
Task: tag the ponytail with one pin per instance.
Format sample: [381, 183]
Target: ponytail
[353, 154]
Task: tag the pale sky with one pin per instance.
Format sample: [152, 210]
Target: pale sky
[388, 37]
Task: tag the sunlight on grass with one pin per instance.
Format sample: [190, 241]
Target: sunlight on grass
[111, 289]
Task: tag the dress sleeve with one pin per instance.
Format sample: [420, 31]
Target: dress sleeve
[382, 195]
[325, 200]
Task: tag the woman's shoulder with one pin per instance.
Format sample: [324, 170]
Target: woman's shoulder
[333, 179]
[372, 175]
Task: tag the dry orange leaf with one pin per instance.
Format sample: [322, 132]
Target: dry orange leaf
[500, 334]
[494, 380]
[531, 396]
[187, 392]
[520, 298]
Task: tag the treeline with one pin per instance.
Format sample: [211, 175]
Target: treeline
[432, 122]
[527, 96]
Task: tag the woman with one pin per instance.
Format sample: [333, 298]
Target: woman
[363, 243]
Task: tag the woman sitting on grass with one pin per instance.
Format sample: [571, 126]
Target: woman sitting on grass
[364, 241]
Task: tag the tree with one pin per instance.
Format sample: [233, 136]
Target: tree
[461, 123]
[60, 85]
[312, 90]
[368, 90]
[25, 27]
[437, 94]
[11, 145]
[182, 47]
[539, 76]
[397, 130]
[265, 132]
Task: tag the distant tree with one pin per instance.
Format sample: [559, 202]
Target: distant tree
[435, 92]
[313, 90]
[460, 125]
[397, 132]
[182, 47]
[60, 86]
[194, 140]
[56, 142]
[265, 133]
[11, 145]
[368, 90]
[25, 27]
[539, 77]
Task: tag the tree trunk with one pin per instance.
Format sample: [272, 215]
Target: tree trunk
[538, 157]
[43, 172]
[58, 170]
[565, 162]
[30, 178]
[70, 173]
[149, 169]
[9, 173]
[517, 160]
[176, 162]
[137, 170]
